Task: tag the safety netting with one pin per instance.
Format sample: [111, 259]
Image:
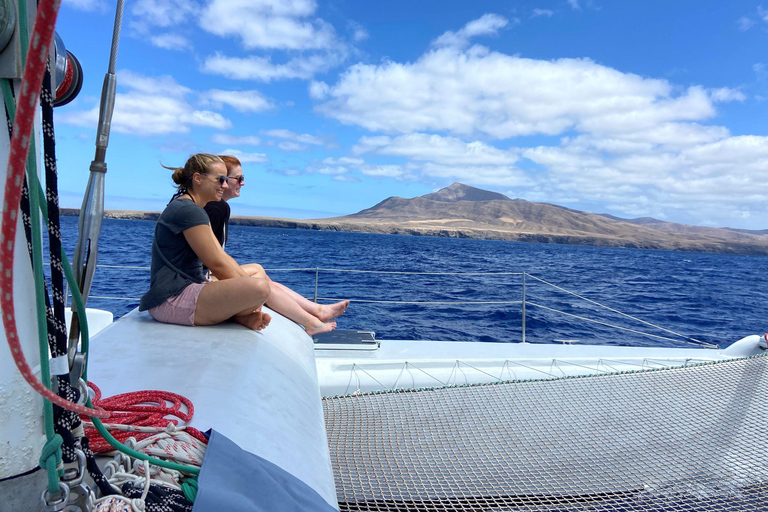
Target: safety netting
[691, 438]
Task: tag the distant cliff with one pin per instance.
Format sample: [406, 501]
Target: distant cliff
[461, 211]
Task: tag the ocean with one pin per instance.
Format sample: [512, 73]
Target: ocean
[712, 298]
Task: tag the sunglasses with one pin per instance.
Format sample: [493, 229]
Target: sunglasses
[219, 177]
[240, 179]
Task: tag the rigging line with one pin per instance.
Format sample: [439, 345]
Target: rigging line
[129, 267]
[594, 368]
[615, 310]
[664, 365]
[291, 269]
[621, 362]
[116, 298]
[532, 368]
[356, 366]
[621, 328]
[422, 273]
[428, 374]
[422, 302]
[481, 371]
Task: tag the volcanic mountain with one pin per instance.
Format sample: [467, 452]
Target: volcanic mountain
[469, 212]
[461, 211]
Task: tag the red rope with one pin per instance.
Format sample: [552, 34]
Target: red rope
[141, 409]
[34, 69]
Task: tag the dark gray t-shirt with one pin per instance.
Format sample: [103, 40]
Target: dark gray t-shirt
[165, 280]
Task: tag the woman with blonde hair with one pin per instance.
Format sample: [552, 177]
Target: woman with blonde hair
[315, 318]
[179, 291]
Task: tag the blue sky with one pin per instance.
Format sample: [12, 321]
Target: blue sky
[634, 108]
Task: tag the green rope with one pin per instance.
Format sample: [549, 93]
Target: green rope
[38, 204]
[189, 488]
[77, 299]
[138, 455]
[40, 290]
[42, 323]
[52, 460]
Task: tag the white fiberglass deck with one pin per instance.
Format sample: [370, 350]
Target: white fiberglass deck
[399, 364]
[257, 388]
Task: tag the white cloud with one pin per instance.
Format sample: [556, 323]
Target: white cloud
[344, 177]
[383, 171]
[358, 31]
[232, 140]
[725, 94]
[745, 23]
[269, 24]
[264, 70]
[345, 160]
[291, 146]
[318, 90]
[246, 158]
[150, 106]
[146, 17]
[242, 101]
[302, 138]
[762, 13]
[541, 12]
[329, 170]
[715, 175]
[639, 144]
[574, 4]
[170, 41]
[341, 167]
[481, 93]
[87, 5]
[488, 24]
[496, 175]
[435, 148]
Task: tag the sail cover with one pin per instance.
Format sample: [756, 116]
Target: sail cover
[686, 438]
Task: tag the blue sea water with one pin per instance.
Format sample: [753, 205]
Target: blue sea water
[710, 297]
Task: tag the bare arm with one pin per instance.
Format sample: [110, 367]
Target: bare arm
[202, 240]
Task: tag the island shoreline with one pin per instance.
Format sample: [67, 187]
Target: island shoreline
[480, 233]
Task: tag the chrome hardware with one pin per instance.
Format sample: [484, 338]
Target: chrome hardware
[56, 505]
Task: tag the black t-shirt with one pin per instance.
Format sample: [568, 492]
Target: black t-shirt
[218, 212]
[170, 246]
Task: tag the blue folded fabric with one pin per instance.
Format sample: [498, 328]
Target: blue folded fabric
[234, 480]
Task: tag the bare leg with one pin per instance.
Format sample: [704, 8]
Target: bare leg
[240, 298]
[254, 269]
[284, 304]
[324, 312]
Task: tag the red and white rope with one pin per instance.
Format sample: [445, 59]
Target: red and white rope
[34, 70]
[141, 410]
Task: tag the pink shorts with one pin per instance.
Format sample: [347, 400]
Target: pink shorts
[179, 309]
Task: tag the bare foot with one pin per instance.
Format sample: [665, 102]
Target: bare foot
[256, 320]
[321, 327]
[330, 311]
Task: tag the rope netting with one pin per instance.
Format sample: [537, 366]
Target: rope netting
[686, 438]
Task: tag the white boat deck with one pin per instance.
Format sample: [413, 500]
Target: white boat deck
[401, 364]
[257, 388]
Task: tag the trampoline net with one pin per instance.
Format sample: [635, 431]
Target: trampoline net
[688, 438]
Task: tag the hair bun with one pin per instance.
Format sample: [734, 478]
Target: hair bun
[178, 176]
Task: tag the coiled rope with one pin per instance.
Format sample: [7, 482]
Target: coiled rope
[147, 409]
